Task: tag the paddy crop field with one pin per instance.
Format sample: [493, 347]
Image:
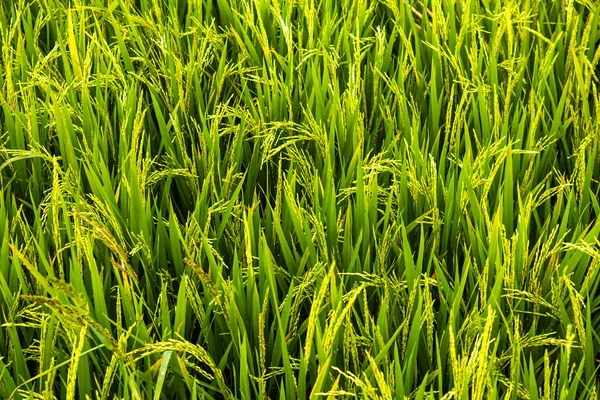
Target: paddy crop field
[299, 199]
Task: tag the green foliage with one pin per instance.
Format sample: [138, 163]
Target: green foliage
[260, 199]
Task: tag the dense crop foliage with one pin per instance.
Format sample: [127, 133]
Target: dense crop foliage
[290, 199]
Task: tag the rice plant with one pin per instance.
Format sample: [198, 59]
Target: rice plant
[299, 199]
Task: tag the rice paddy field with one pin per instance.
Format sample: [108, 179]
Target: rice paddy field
[299, 199]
